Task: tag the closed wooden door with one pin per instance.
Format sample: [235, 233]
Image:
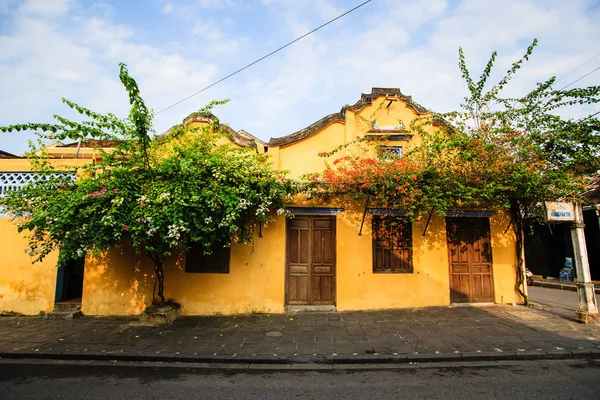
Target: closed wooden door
[470, 259]
[311, 261]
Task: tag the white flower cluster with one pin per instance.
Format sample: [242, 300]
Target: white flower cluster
[142, 199]
[32, 252]
[243, 204]
[108, 220]
[164, 196]
[229, 218]
[118, 201]
[263, 207]
[151, 230]
[175, 232]
[218, 175]
[49, 221]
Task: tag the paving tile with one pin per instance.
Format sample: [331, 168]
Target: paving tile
[468, 330]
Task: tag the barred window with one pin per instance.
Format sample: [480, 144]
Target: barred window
[392, 245]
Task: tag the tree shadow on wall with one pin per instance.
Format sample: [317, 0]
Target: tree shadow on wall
[118, 282]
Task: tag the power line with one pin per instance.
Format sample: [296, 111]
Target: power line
[576, 69]
[585, 63]
[263, 57]
[589, 116]
[564, 87]
[577, 80]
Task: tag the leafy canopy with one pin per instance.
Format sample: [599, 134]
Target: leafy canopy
[495, 152]
[163, 195]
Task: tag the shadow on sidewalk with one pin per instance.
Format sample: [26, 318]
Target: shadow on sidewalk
[436, 332]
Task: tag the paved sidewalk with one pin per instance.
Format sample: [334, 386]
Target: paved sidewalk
[424, 334]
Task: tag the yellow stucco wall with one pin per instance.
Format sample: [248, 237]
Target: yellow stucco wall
[23, 164]
[358, 288]
[303, 157]
[25, 288]
[361, 289]
[121, 282]
[504, 258]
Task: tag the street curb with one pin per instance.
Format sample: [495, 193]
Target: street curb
[316, 360]
[562, 286]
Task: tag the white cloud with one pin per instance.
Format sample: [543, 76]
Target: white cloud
[47, 7]
[168, 8]
[410, 45]
[215, 3]
[413, 46]
[44, 59]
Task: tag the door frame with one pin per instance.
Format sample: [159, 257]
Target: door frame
[65, 282]
[489, 232]
[311, 217]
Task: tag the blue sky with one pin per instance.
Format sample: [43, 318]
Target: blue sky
[71, 48]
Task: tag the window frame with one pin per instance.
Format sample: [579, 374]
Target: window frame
[388, 153]
[395, 244]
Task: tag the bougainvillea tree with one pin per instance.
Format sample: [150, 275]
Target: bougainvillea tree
[161, 195]
[526, 152]
[496, 152]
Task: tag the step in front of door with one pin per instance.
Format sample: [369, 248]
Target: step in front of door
[309, 309]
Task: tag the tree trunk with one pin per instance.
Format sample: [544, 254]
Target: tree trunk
[517, 215]
[160, 279]
[159, 274]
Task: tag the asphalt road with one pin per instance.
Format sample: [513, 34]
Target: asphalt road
[564, 299]
[568, 379]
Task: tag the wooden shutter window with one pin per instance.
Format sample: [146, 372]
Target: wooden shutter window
[215, 263]
[392, 245]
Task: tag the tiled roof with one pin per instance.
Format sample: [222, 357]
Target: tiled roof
[4, 154]
[105, 144]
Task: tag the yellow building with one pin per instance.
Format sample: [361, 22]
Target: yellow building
[328, 256]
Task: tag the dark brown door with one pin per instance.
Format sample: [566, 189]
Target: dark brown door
[470, 259]
[311, 261]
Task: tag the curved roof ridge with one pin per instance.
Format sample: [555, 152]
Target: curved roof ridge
[309, 130]
[244, 140]
[366, 99]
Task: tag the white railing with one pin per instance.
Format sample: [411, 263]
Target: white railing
[10, 181]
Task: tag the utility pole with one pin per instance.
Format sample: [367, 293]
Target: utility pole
[588, 308]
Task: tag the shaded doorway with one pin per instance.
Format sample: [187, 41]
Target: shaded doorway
[69, 280]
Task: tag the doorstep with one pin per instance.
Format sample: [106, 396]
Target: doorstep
[309, 309]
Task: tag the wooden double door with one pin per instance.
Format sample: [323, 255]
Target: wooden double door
[310, 260]
[470, 259]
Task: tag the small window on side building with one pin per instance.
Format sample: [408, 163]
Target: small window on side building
[392, 245]
[390, 152]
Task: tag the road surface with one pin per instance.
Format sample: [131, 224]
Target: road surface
[531, 380]
[565, 299]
